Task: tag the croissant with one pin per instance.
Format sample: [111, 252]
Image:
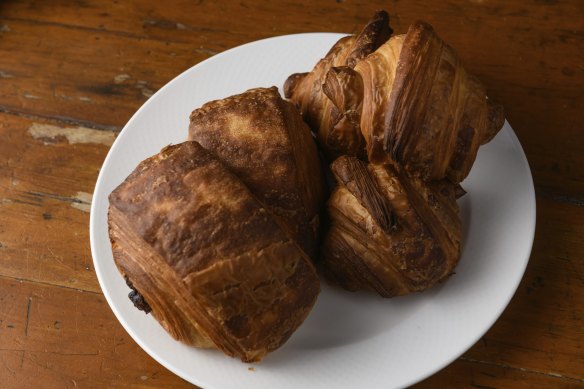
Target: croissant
[336, 126]
[389, 233]
[394, 225]
[262, 139]
[419, 106]
[210, 260]
[435, 115]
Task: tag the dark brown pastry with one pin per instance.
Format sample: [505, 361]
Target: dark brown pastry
[214, 264]
[335, 125]
[262, 139]
[389, 233]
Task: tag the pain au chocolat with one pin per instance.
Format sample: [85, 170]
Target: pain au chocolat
[416, 120]
[262, 139]
[215, 237]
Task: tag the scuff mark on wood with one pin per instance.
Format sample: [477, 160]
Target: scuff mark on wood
[72, 134]
[58, 258]
[4, 28]
[17, 201]
[121, 78]
[85, 99]
[27, 316]
[84, 201]
[144, 89]
[81, 200]
[505, 366]
[30, 96]
[203, 50]
[5, 75]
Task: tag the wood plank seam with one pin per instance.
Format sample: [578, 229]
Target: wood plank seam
[36, 282]
[523, 369]
[66, 120]
[65, 199]
[124, 34]
[559, 197]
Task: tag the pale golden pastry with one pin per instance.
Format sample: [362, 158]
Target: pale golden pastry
[262, 139]
[208, 258]
[389, 233]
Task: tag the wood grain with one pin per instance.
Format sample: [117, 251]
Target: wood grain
[55, 337]
[72, 74]
[45, 193]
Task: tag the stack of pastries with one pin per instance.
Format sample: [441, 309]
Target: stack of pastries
[220, 237]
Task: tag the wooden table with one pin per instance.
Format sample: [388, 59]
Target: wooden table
[73, 72]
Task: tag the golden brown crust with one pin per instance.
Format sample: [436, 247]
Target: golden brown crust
[208, 257]
[409, 100]
[437, 115]
[262, 139]
[305, 89]
[421, 248]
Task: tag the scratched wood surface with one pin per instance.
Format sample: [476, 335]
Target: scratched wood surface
[73, 72]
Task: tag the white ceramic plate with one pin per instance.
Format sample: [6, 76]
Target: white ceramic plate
[350, 340]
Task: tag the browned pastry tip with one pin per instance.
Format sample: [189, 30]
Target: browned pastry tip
[262, 139]
[211, 261]
[376, 32]
[496, 120]
[292, 82]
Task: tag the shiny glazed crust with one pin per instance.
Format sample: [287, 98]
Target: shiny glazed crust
[212, 261]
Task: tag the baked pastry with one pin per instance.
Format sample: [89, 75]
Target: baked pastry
[211, 261]
[336, 126]
[419, 106]
[262, 139]
[411, 110]
[389, 233]
[435, 115]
